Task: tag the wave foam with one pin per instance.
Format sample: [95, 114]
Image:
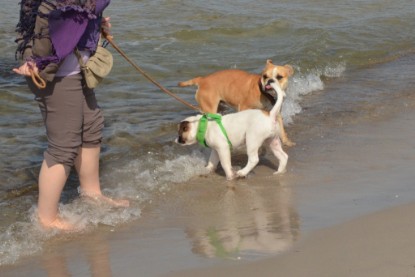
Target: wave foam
[154, 171]
[303, 84]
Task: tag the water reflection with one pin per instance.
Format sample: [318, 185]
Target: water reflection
[253, 220]
[94, 249]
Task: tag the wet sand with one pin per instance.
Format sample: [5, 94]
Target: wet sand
[381, 244]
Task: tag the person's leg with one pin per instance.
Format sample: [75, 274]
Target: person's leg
[52, 179]
[87, 166]
[61, 106]
[87, 162]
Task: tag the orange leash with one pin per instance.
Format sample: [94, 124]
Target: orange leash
[109, 38]
[37, 80]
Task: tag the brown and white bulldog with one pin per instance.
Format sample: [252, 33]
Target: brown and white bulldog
[251, 128]
[241, 90]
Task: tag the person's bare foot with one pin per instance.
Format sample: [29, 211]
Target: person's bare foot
[123, 203]
[59, 224]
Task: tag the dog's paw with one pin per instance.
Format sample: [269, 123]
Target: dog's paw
[210, 168]
[231, 176]
[288, 143]
[280, 172]
[241, 174]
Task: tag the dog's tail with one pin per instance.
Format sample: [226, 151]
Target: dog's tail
[192, 82]
[277, 107]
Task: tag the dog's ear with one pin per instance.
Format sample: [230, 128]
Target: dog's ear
[268, 65]
[290, 70]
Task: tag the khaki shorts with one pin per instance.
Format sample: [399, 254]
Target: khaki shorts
[72, 118]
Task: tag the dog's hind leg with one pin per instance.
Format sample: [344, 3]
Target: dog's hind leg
[285, 140]
[207, 100]
[282, 157]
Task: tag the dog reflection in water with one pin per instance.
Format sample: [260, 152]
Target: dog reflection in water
[248, 220]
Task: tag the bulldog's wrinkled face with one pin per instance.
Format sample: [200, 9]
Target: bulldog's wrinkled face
[187, 130]
[275, 73]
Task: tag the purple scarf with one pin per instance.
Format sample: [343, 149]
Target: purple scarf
[72, 25]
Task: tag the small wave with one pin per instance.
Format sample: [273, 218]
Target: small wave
[334, 71]
[303, 84]
[154, 172]
[169, 41]
[22, 239]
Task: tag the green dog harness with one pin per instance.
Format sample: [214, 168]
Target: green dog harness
[201, 130]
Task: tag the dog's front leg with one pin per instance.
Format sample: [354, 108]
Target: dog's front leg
[213, 161]
[225, 160]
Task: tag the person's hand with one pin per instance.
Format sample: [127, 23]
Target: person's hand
[26, 69]
[106, 25]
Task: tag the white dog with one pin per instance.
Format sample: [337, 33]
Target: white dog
[250, 127]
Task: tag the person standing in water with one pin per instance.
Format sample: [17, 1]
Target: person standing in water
[49, 31]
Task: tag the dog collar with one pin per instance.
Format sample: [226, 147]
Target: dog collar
[202, 128]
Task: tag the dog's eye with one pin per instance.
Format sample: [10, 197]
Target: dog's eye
[265, 76]
[279, 77]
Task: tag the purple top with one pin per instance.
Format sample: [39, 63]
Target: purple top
[71, 26]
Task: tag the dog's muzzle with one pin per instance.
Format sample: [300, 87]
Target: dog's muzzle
[180, 140]
[269, 91]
